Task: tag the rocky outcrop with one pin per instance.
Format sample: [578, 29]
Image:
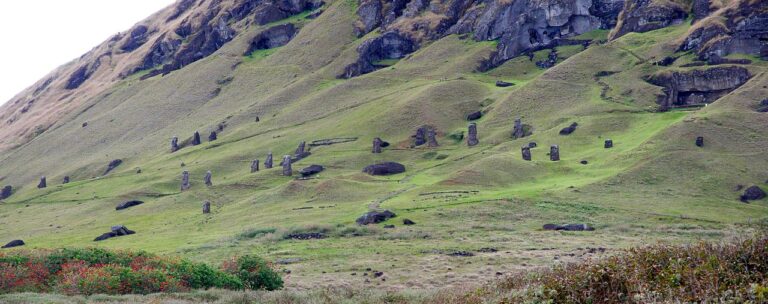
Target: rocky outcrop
[646, 15]
[387, 168]
[82, 74]
[700, 9]
[272, 37]
[6, 192]
[127, 204]
[118, 230]
[391, 45]
[375, 217]
[137, 37]
[113, 165]
[741, 27]
[519, 26]
[14, 243]
[696, 87]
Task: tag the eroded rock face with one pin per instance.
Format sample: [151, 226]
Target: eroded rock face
[472, 135]
[686, 88]
[6, 192]
[519, 26]
[375, 217]
[646, 15]
[272, 37]
[387, 168]
[739, 28]
[391, 45]
[137, 37]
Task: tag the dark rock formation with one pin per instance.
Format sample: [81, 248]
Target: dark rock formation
[138, 36]
[82, 74]
[472, 135]
[387, 168]
[608, 143]
[762, 107]
[300, 149]
[175, 144]
[255, 166]
[65, 180]
[700, 141]
[526, 153]
[753, 193]
[432, 138]
[272, 37]
[686, 88]
[741, 28]
[391, 45]
[185, 181]
[646, 15]
[569, 129]
[127, 204]
[42, 183]
[503, 84]
[554, 153]
[287, 171]
[207, 179]
[375, 217]
[408, 222]
[118, 230]
[196, 139]
[584, 162]
[206, 207]
[475, 116]
[701, 9]
[213, 136]
[376, 145]
[14, 243]
[268, 161]
[113, 165]
[549, 62]
[6, 192]
[569, 227]
[311, 170]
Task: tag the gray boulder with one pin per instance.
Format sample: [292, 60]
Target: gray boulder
[386, 168]
[375, 217]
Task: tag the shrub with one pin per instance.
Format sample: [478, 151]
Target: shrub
[99, 271]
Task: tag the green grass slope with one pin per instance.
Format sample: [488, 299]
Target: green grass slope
[654, 185]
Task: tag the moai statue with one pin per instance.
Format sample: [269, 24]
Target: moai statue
[700, 141]
[42, 183]
[287, 171]
[6, 192]
[196, 139]
[213, 136]
[472, 138]
[376, 145]
[185, 180]
[431, 138]
[207, 179]
[554, 153]
[608, 143]
[255, 166]
[518, 132]
[206, 207]
[300, 150]
[66, 180]
[268, 161]
[174, 144]
[527, 153]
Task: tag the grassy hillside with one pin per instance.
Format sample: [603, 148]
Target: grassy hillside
[655, 184]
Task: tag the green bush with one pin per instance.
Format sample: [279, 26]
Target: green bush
[256, 273]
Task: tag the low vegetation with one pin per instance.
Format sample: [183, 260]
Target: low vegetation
[100, 271]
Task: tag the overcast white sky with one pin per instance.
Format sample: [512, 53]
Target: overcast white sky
[37, 36]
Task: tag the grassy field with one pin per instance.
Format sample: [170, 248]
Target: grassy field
[655, 185]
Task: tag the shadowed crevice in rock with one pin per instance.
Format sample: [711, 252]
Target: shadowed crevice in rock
[272, 37]
[391, 45]
[741, 28]
[697, 87]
